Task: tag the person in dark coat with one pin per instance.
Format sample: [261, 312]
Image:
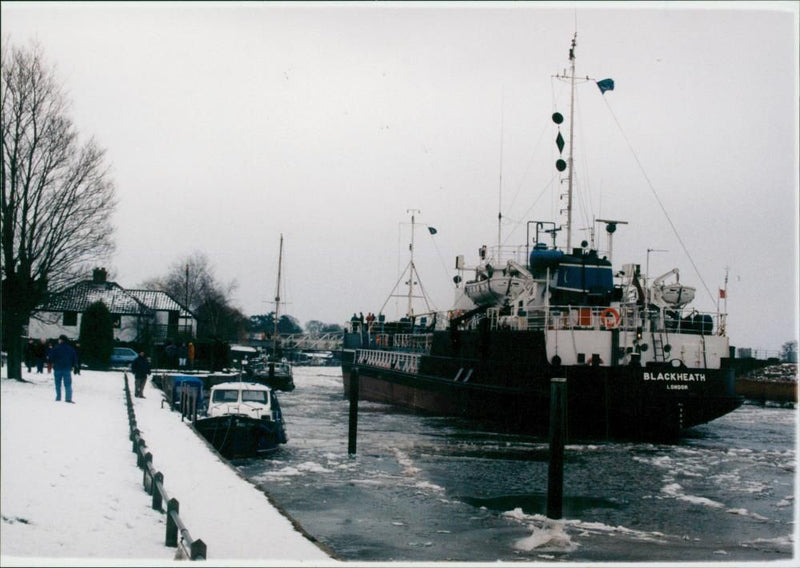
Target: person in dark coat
[77, 369]
[140, 368]
[171, 351]
[40, 354]
[47, 355]
[30, 354]
[63, 359]
[183, 353]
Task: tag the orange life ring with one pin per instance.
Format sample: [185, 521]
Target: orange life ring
[610, 318]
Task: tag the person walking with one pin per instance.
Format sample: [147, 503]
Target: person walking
[171, 351]
[30, 354]
[63, 359]
[40, 354]
[48, 356]
[77, 369]
[140, 368]
[183, 353]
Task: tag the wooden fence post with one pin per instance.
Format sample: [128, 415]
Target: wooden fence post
[198, 550]
[140, 445]
[148, 463]
[172, 526]
[158, 479]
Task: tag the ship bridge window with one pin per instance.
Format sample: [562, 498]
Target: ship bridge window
[254, 396]
[226, 396]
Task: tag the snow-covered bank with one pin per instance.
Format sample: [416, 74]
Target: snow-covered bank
[70, 488]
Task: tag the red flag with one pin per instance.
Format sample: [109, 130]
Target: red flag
[722, 294]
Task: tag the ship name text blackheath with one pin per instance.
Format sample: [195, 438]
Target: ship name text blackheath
[701, 377]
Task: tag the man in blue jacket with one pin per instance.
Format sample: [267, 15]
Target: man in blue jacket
[63, 358]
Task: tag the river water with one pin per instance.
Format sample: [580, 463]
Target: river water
[429, 489]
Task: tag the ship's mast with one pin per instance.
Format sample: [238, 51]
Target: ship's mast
[571, 138]
[277, 302]
[412, 270]
[723, 317]
[500, 186]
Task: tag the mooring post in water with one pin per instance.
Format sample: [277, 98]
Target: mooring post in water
[352, 431]
[555, 472]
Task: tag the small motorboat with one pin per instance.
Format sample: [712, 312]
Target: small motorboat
[243, 419]
[274, 374]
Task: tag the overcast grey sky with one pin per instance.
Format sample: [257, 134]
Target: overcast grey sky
[229, 124]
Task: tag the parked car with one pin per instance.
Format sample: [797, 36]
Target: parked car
[122, 357]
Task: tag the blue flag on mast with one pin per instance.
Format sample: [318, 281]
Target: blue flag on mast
[605, 85]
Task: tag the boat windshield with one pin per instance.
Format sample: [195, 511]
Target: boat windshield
[227, 395]
[254, 396]
[232, 395]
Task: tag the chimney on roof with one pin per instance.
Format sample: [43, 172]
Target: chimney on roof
[99, 276]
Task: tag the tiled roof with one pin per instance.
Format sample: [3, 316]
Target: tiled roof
[81, 295]
[160, 301]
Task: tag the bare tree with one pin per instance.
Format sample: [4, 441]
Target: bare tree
[56, 194]
[218, 319]
[191, 282]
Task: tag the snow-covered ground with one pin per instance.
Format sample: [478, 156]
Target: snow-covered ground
[71, 493]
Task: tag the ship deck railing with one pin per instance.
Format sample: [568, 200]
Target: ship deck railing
[394, 360]
[500, 255]
[630, 318]
[409, 342]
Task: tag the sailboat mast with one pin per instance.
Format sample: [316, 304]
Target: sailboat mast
[571, 139]
[277, 302]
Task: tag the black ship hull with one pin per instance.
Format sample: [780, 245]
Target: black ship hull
[235, 436]
[513, 393]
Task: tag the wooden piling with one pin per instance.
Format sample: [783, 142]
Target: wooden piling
[352, 431]
[555, 471]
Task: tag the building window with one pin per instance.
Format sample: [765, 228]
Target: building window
[70, 319]
[116, 319]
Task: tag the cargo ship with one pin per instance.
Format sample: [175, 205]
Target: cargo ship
[638, 360]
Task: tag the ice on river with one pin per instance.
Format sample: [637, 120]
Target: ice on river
[425, 488]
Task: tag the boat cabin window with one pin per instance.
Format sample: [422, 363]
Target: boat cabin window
[229, 395]
[254, 396]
